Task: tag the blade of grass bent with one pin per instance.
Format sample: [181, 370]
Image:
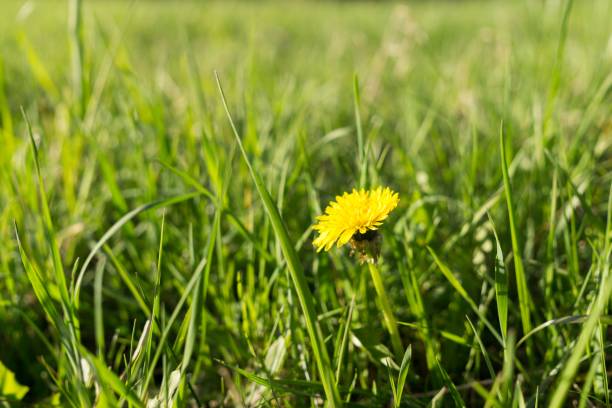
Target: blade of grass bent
[117, 226]
[295, 269]
[577, 319]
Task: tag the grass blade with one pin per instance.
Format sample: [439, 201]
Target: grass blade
[362, 162]
[403, 373]
[501, 285]
[120, 223]
[519, 271]
[40, 289]
[108, 378]
[98, 308]
[387, 311]
[58, 267]
[166, 331]
[560, 321]
[451, 387]
[482, 349]
[127, 278]
[295, 269]
[600, 303]
[463, 293]
[508, 369]
[343, 344]
[199, 297]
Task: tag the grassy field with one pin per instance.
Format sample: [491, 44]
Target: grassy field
[156, 240]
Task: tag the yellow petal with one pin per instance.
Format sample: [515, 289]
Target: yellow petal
[359, 210]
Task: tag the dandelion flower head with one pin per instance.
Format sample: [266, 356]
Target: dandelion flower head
[353, 214]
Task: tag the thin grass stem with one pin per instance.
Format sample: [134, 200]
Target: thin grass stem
[390, 320]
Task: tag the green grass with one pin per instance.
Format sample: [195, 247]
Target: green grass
[156, 220]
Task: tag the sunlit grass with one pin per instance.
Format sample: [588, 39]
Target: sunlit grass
[156, 219]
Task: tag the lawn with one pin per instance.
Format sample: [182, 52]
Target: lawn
[163, 165]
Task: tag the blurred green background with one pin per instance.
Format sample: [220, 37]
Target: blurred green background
[436, 80]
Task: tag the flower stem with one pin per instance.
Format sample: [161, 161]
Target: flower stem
[387, 312]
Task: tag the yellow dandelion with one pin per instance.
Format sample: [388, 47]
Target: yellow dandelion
[354, 217]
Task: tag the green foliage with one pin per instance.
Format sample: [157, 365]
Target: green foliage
[153, 251]
[10, 389]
